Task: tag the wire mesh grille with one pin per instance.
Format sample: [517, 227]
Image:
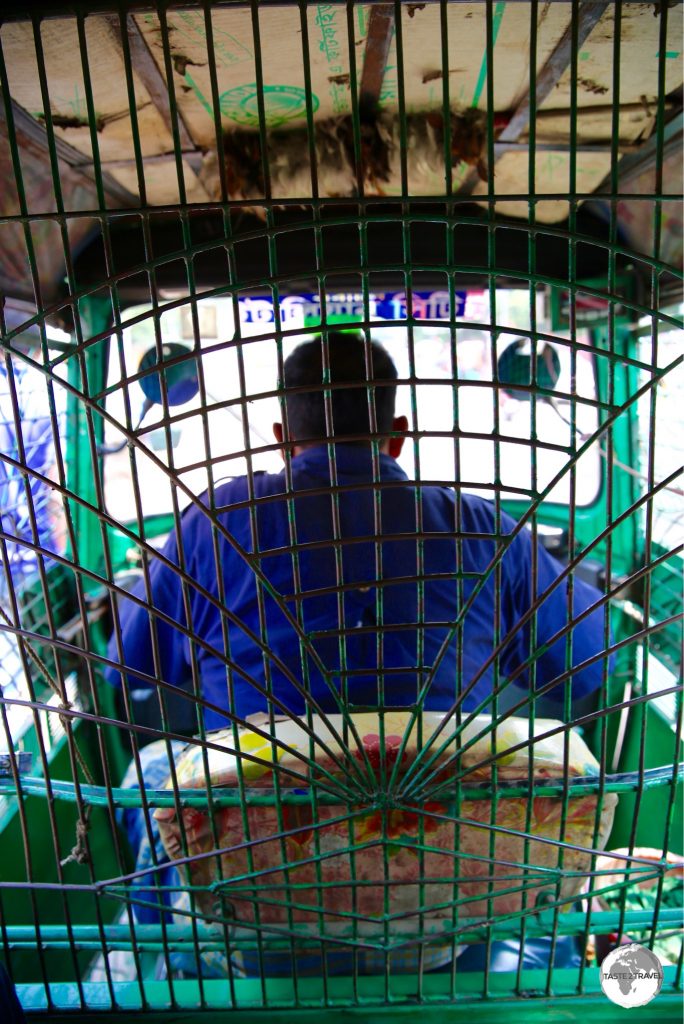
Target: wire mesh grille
[443, 752]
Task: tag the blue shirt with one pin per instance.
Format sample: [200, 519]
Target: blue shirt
[374, 633]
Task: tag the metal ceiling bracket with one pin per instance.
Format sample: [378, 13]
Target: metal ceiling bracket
[28, 126]
[380, 32]
[151, 76]
[547, 79]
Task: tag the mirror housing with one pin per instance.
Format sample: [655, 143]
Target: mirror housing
[180, 377]
[514, 367]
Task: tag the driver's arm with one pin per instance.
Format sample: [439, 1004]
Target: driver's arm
[584, 641]
[142, 630]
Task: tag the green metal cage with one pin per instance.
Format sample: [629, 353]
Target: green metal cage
[491, 189]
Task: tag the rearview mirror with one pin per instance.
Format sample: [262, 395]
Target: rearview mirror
[180, 378]
[514, 367]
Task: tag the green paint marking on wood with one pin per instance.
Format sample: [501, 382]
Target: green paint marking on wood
[482, 77]
[282, 103]
[198, 93]
[362, 22]
[331, 45]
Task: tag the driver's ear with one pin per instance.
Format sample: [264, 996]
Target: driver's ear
[279, 434]
[400, 424]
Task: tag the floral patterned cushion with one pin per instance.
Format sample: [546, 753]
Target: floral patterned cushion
[379, 826]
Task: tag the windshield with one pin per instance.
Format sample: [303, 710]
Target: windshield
[456, 428]
[661, 447]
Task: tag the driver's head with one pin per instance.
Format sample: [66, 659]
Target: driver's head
[347, 359]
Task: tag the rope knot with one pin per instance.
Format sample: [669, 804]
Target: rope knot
[65, 720]
[79, 853]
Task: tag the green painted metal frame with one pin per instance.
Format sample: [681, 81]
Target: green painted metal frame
[528, 996]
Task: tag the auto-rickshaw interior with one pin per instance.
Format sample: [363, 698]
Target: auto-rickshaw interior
[492, 191]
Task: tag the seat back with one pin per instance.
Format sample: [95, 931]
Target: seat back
[385, 829]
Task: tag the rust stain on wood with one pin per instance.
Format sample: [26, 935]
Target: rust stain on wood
[591, 86]
[181, 63]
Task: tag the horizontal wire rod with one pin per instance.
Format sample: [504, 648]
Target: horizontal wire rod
[624, 782]
[149, 936]
[202, 206]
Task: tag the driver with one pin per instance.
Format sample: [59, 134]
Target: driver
[340, 583]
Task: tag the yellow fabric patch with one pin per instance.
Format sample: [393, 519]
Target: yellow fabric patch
[251, 743]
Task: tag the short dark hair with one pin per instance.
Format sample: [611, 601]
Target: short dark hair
[347, 350]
